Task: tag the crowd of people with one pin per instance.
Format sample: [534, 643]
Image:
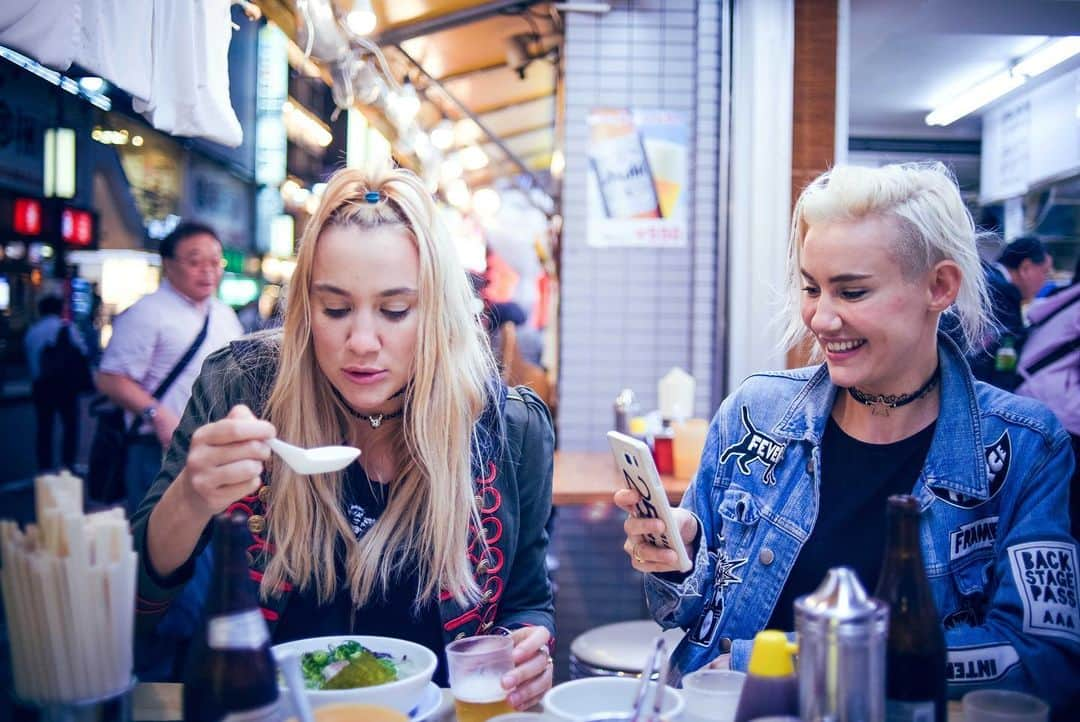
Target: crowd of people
[439, 530]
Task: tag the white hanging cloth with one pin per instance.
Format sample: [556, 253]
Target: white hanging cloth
[190, 77]
[115, 43]
[46, 30]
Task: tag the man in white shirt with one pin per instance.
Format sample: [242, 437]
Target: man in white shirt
[148, 340]
[151, 336]
[52, 396]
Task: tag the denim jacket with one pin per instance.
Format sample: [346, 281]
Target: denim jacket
[994, 528]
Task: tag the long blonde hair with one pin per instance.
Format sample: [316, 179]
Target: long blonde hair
[431, 502]
[934, 225]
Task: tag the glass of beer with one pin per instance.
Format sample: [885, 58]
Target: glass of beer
[476, 666]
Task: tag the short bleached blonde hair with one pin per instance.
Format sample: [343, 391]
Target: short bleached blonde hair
[923, 201]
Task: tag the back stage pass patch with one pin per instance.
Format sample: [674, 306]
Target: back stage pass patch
[1045, 576]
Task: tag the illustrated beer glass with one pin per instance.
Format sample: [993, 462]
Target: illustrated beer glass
[476, 666]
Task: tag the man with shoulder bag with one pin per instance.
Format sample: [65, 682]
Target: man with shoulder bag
[157, 348]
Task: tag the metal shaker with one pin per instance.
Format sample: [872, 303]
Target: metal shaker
[842, 638]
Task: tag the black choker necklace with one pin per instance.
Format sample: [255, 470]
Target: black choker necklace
[374, 419]
[881, 403]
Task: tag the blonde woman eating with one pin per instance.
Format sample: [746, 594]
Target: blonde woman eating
[437, 531]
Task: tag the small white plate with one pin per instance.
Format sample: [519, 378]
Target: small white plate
[429, 704]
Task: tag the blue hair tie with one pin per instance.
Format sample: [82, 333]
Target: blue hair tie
[372, 196]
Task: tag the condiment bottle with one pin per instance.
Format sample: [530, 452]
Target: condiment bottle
[771, 687]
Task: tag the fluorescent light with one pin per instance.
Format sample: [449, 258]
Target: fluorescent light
[59, 163]
[1047, 56]
[558, 163]
[302, 126]
[1035, 63]
[91, 84]
[974, 98]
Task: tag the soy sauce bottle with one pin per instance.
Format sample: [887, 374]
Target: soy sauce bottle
[230, 674]
[915, 653]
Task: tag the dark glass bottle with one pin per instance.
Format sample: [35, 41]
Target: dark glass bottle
[230, 672]
[915, 656]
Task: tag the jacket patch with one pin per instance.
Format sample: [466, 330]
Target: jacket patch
[755, 446]
[998, 459]
[970, 665]
[709, 621]
[1045, 575]
[968, 538]
[966, 616]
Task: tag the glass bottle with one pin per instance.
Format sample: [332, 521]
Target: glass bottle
[230, 673]
[915, 652]
[1005, 358]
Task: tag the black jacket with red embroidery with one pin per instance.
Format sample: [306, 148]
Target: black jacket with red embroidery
[512, 472]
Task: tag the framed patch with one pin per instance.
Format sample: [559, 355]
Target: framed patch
[968, 538]
[755, 446]
[977, 665]
[998, 460]
[703, 632]
[1045, 577]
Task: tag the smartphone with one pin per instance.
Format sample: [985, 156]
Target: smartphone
[638, 472]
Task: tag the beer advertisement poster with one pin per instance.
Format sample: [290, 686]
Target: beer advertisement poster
[637, 181]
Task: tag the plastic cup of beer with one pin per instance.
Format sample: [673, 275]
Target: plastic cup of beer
[476, 666]
[1000, 705]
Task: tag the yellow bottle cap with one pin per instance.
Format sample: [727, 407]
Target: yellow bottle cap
[638, 426]
[771, 655]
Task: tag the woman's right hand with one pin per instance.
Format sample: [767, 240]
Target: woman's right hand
[646, 557]
[225, 459]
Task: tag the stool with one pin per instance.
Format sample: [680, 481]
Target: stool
[617, 650]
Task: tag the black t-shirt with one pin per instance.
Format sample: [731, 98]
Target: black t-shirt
[392, 616]
[857, 478]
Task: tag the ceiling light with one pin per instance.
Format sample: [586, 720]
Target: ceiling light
[442, 135]
[1035, 63]
[473, 158]
[361, 19]
[450, 169]
[457, 193]
[486, 202]
[466, 131]
[91, 84]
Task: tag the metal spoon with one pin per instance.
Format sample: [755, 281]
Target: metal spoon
[317, 460]
[289, 663]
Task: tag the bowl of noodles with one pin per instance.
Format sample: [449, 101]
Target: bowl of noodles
[362, 669]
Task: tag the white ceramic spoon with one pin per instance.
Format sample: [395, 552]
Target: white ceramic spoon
[319, 460]
[290, 667]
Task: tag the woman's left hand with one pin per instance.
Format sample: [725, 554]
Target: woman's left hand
[531, 676]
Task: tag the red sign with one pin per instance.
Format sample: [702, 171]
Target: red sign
[77, 227]
[27, 220]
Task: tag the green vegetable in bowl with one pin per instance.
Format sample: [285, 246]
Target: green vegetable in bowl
[363, 670]
[346, 666]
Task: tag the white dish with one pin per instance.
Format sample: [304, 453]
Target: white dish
[429, 704]
[583, 698]
[402, 694]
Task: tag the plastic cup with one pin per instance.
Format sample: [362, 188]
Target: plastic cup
[999, 705]
[713, 694]
[476, 666]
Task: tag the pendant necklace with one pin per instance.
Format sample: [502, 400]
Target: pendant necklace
[881, 403]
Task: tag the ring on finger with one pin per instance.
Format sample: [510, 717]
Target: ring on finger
[634, 552]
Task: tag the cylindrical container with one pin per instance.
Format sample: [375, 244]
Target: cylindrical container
[113, 708]
[842, 636]
[625, 407]
[663, 449]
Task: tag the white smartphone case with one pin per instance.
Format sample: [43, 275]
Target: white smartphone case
[638, 472]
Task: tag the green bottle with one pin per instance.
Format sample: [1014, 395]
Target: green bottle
[1005, 360]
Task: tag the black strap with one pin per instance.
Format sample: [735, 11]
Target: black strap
[1054, 356]
[184, 360]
